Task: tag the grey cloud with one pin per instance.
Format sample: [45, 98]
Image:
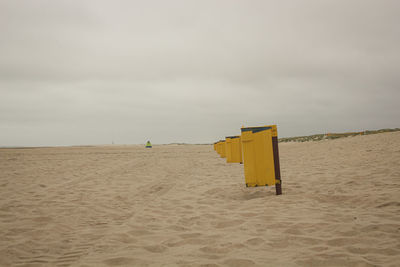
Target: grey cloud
[78, 72]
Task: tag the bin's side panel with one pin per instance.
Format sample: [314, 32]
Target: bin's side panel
[264, 158]
[228, 148]
[236, 150]
[223, 150]
[240, 150]
[248, 145]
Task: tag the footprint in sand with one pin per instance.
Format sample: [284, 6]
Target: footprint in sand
[255, 241]
[215, 250]
[190, 235]
[155, 248]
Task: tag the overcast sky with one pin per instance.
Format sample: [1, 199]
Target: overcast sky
[97, 72]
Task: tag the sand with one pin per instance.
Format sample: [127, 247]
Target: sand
[182, 205]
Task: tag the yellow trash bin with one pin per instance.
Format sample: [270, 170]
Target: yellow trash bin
[219, 148]
[222, 149]
[233, 149]
[261, 156]
[228, 146]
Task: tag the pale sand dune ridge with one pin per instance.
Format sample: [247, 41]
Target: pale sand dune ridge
[182, 205]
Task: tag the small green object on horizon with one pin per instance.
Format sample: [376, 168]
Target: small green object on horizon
[148, 144]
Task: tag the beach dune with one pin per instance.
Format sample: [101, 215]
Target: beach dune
[183, 205]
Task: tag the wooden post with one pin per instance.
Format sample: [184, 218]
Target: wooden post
[278, 181]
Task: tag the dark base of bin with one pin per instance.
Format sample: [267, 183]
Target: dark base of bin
[278, 188]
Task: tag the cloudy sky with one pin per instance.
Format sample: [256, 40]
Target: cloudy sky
[97, 72]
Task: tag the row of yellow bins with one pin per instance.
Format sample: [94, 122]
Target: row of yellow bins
[257, 148]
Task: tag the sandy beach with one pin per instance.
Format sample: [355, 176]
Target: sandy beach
[183, 205]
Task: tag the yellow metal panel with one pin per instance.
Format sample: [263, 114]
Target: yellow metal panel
[249, 160]
[265, 157]
[223, 153]
[237, 150]
[233, 149]
[258, 157]
[228, 149]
